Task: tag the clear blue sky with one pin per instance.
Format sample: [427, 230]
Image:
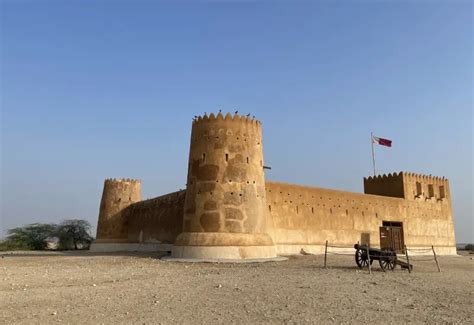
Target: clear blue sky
[96, 89]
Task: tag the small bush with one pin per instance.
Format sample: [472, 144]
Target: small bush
[9, 245]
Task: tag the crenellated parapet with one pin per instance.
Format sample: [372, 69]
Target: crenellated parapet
[385, 185]
[227, 117]
[425, 187]
[122, 180]
[408, 185]
[429, 178]
[384, 177]
[217, 128]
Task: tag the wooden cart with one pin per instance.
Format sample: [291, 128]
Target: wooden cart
[387, 257]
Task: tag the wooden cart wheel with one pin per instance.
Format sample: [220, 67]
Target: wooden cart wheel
[388, 259]
[362, 259]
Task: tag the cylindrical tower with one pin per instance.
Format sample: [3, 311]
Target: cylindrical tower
[224, 216]
[118, 194]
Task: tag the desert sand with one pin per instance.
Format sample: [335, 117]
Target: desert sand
[83, 288]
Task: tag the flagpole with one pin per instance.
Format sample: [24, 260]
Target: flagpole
[373, 152]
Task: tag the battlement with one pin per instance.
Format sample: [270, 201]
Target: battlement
[385, 185]
[406, 174]
[426, 187]
[216, 128]
[428, 178]
[407, 185]
[122, 180]
[228, 118]
[384, 177]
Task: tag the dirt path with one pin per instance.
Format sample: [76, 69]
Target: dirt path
[139, 289]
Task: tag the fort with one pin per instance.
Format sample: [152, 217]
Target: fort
[229, 210]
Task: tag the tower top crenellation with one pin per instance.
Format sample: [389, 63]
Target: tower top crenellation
[227, 117]
[122, 180]
[404, 174]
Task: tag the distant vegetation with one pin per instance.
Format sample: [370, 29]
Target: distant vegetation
[469, 247]
[69, 234]
[465, 247]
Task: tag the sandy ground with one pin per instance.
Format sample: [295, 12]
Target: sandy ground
[141, 289]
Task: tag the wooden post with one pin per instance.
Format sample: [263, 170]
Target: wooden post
[325, 253]
[368, 257]
[408, 260]
[436, 259]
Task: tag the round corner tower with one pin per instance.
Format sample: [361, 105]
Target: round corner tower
[224, 210]
[118, 194]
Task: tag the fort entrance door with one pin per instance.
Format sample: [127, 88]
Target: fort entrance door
[391, 236]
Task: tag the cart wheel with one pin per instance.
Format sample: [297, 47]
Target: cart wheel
[362, 259]
[388, 259]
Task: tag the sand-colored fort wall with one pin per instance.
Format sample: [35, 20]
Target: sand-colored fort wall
[157, 220]
[305, 217]
[428, 210]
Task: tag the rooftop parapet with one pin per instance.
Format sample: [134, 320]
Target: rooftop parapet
[425, 177]
[122, 180]
[406, 185]
[385, 185]
[228, 117]
[383, 177]
[388, 176]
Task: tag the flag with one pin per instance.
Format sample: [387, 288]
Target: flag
[382, 141]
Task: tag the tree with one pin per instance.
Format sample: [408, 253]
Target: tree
[74, 234]
[32, 236]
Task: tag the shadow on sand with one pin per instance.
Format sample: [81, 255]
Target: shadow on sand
[81, 253]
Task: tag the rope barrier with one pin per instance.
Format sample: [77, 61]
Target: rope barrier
[346, 254]
[343, 251]
[336, 246]
[366, 251]
[421, 260]
[422, 257]
[419, 249]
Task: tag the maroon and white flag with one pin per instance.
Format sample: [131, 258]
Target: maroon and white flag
[382, 141]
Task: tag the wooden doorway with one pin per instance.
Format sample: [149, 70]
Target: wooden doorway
[391, 236]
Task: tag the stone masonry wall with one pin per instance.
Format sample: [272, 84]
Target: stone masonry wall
[157, 220]
[302, 215]
[310, 216]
